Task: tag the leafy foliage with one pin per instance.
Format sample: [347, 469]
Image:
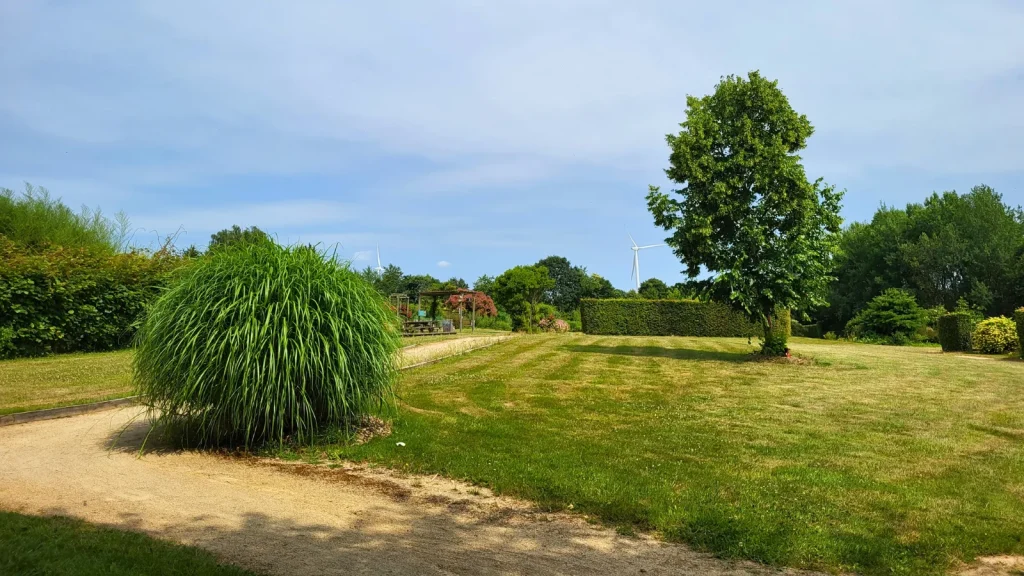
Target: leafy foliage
[264, 342]
[653, 289]
[951, 247]
[596, 286]
[236, 236]
[519, 290]
[484, 284]
[478, 301]
[568, 283]
[747, 213]
[955, 331]
[638, 317]
[56, 299]
[893, 317]
[996, 335]
[34, 220]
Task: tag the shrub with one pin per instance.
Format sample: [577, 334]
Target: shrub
[636, 317]
[892, 317]
[55, 300]
[996, 335]
[955, 331]
[830, 336]
[258, 343]
[1018, 317]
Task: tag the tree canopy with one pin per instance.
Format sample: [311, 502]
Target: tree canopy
[234, 236]
[519, 290]
[746, 211]
[952, 246]
[568, 288]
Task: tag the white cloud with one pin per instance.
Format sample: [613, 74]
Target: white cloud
[444, 264]
[362, 255]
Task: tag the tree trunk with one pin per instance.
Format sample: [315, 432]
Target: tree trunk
[774, 341]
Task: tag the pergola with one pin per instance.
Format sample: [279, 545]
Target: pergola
[462, 293]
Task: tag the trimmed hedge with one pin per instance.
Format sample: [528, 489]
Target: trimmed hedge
[1018, 317]
[635, 317]
[74, 300]
[955, 332]
[806, 330]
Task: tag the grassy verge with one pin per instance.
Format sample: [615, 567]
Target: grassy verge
[65, 380]
[872, 459]
[66, 547]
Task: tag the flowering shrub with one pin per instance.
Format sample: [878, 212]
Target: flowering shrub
[551, 324]
[996, 335]
[484, 304]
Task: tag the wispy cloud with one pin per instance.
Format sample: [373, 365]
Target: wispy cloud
[444, 264]
[269, 216]
[361, 255]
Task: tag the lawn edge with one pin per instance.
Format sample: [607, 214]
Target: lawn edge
[64, 411]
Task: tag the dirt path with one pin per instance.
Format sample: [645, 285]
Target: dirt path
[295, 519]
[418, 353]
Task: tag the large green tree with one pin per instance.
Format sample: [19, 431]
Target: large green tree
[519, 290]
[565, 294]
[949, 247]
[597, 286]
[746, 211]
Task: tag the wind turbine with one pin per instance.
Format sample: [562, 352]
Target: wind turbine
[636, 259]
[379, 268]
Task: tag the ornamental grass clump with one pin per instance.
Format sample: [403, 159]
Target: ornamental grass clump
[261, 343]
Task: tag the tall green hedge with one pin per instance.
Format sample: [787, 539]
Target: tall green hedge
[806, 330]
[1018, 317]
[955, 332]
[635, 317]
[55, 300]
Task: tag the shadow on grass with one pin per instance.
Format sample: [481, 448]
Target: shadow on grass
[659, 352]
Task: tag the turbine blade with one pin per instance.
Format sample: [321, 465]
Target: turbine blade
[378, 256]
[631, 238]
[649, 246]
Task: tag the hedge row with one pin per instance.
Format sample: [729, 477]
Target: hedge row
[955, 332]
[71, 300]
[806, 330]
[634, 317]
[1018, 317]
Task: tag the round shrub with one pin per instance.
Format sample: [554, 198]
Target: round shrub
[260, 342]
[996, 335]
[892, 317]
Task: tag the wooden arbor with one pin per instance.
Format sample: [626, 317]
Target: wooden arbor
[461, 293]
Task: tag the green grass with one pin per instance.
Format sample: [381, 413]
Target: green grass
[871, 458]
[72, 379]
[65, 380]
[58, 546]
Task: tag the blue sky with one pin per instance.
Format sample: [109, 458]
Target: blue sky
[467, 137]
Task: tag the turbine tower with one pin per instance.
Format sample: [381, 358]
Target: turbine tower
[380, 269]
[636, 259]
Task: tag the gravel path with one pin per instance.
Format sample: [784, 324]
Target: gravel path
[296, 519]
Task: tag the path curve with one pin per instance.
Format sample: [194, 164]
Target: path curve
[298, 519]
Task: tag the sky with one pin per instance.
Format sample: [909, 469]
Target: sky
[468, 137]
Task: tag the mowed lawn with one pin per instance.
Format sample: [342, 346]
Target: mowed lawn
[64, 380]
[72, 379]
[870, 458]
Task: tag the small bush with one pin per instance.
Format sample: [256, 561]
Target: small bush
[259, 343]
[830, 335]
[1018, 317]
[892, 317]
[996, 335]
[955, 331]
